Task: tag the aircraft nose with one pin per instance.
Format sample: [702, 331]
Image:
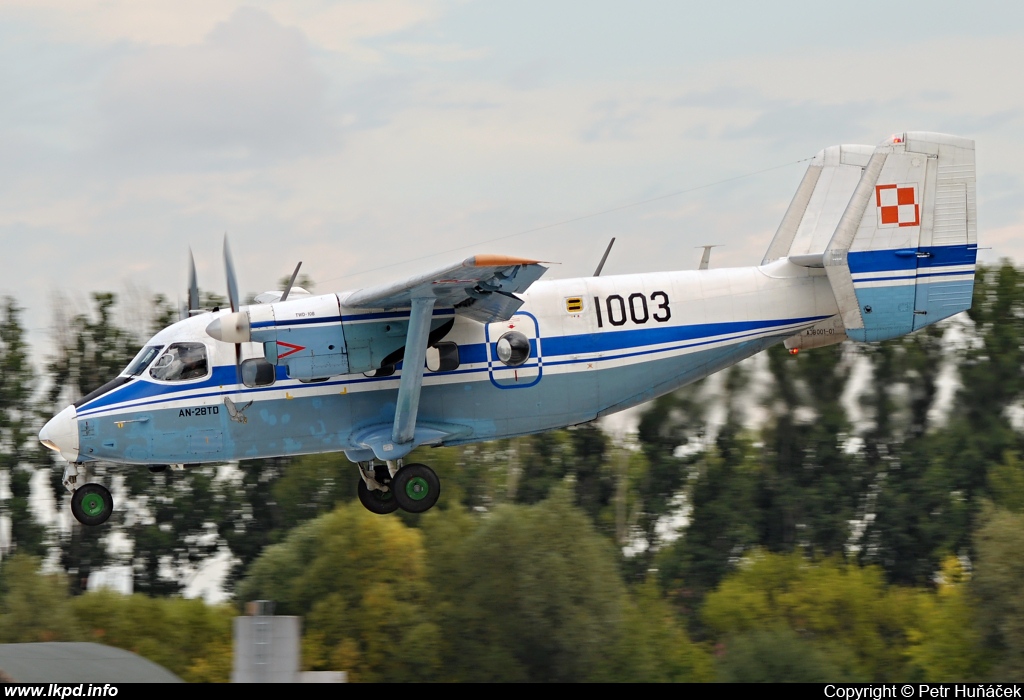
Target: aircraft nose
[61, 434]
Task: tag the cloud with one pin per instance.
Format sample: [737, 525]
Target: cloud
[337, 26]
[249, 92]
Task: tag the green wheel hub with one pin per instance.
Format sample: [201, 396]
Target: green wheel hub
[93, 505]
[417, 488]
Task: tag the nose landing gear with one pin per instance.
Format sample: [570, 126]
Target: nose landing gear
[382, 489]
[91, 504]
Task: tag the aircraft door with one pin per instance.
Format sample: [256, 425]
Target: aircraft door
[514, 356]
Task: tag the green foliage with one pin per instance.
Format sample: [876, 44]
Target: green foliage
[20, 453]
[945, 640]
[997, 591]
[725, 521]
[33, 606]
[847, 611]
[187, 637]
[532, 593]
[1006, 483]
[652, 644]
[776, 655]
[536, 596]
[360, 582]
[810, 487]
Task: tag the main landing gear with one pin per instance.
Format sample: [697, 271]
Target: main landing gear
[91, 504]
[384, 489]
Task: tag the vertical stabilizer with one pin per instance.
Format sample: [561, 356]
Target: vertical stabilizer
[904, 251]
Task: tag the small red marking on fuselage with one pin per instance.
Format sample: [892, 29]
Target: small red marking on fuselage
[294, 349]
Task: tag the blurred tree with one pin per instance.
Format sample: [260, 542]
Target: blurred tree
[187, 637]
[1006, 483]
[811, 487]
[33, 606]
[532, 593]
[945, 640]
[724, 521]
[360, 582]
[652, 645]
[846, 611]
[536, 597]
[20, 453]
[998, 592]
[671, 435]
[776, 654]
[250, 520]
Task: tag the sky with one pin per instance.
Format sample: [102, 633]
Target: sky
[373, 140]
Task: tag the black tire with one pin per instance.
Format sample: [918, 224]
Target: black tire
[416, 488]
[379, 502]
[92, 504]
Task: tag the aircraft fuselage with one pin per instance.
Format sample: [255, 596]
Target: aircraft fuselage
[597, 345]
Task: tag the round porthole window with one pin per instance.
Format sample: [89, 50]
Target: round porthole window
[513, 348]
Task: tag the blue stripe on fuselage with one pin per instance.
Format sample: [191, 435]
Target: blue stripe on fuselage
[552, 347]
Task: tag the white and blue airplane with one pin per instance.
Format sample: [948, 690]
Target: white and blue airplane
[878, 242]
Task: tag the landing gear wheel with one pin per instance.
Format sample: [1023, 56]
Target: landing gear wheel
[91, 504]
[379, 502]
[416, 488]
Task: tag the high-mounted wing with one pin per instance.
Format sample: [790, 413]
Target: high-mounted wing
[482, 288]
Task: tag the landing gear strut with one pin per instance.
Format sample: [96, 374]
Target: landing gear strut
[384, 489]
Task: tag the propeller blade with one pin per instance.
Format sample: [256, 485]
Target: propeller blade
[232, 280]
[193, 286]
[291, 282]
[229, 268]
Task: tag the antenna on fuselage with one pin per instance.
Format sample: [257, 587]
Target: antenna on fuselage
[600, 265]
[705, 258]
[288, 289]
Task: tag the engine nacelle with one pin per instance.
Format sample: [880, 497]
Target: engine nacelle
[316, 338]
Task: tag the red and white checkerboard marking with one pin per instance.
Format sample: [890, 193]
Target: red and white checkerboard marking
[897, 205]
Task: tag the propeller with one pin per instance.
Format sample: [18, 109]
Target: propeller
[229, 268]
[193, 286]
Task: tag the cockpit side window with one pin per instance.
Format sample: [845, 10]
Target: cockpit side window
[142, 360]
[181, 362]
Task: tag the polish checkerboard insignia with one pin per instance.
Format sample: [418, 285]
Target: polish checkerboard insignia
[898, 205]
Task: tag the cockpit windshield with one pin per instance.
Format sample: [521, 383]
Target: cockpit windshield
[181, 361]
[142, 360]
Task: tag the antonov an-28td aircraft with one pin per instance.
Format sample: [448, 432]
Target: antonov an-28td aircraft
[878, 242]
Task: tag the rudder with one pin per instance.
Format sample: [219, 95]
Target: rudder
[903, 254]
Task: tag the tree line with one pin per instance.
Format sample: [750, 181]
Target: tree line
[852, 512]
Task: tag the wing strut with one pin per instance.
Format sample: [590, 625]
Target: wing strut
[412, 370]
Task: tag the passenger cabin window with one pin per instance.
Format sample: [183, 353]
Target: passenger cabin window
[142, 360]
[181, 362]
[258, 372]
